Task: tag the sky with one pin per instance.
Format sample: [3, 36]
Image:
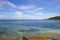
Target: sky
[29, 9]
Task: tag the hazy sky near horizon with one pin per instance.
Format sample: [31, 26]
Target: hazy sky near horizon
[29, 9]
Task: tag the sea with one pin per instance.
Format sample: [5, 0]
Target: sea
[30, 26]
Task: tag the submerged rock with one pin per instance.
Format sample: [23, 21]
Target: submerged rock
[9, 36]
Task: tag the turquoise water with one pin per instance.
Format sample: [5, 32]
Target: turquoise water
[30, 26]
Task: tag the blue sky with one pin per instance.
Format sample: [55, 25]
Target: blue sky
[29, 9]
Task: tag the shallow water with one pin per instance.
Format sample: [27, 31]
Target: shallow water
[30, 26]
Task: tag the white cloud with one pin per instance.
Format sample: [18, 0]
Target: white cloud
[25, 7]
[27, 16]
[11, 4]
[2, 2]
[5, 17]
[2, 16]
[7, 3]
[30, 8]
[20, 15]
[39, 13]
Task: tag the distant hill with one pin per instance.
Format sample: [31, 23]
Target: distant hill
[54, 18]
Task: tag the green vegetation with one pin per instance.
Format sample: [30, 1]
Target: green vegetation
[54, 18]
